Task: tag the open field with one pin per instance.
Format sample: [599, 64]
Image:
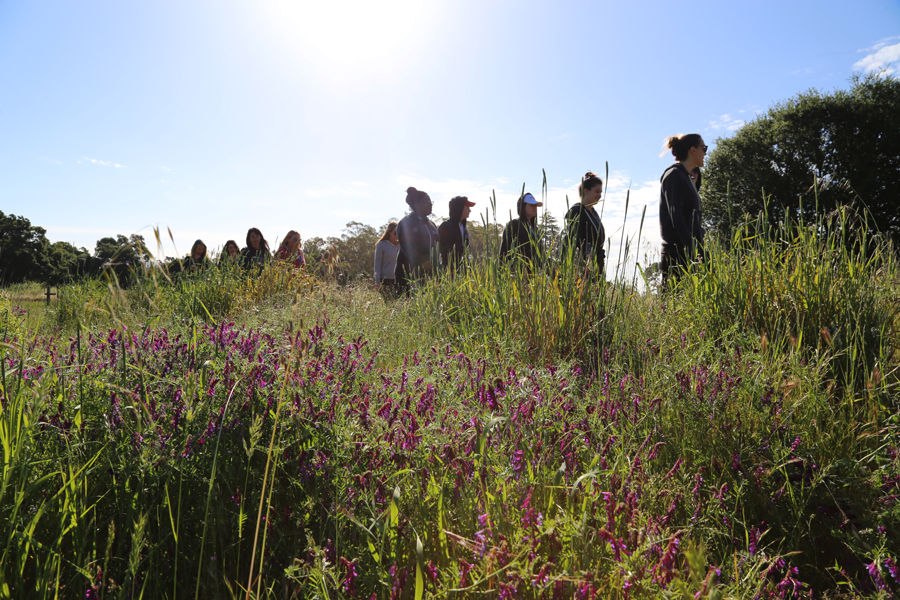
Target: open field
[500, 434]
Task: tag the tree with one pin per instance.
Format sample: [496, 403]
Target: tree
[356, 249]
[62, 262]
[813, 152]
[22, 250]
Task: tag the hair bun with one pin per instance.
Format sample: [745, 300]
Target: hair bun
[589, 174]
[411, 190]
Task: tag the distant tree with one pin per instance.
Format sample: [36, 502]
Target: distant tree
[62, 262]
[123, 255]
[22, 250]
[484, 238]
[356, 249]
[313, 250]
[842, 147]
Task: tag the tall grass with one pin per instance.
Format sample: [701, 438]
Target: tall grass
[509, 431]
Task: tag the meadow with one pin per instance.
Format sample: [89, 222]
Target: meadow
[504, 433]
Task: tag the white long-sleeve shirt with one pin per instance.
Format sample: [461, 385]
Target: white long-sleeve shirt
[385, 260]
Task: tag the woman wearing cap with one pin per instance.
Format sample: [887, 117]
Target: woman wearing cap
[386, 251]
[679, 205]
[585, 235]
[418, 238]
[453, 236]
[256, 252]
[520, 236]
[290, 250]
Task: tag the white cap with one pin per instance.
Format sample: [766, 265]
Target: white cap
[529, 199]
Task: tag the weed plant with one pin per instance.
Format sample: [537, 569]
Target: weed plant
[504, 433]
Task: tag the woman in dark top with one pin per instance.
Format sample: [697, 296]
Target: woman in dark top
[418, 241]
[230, 253]
[679, 205]
[520, 236]
[585, 235]
[256, 252]
[196, 260]
[453, 236]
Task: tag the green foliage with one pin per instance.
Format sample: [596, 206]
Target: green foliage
[810, 154]
[22, 248]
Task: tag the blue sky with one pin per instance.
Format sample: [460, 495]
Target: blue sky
[211, 117]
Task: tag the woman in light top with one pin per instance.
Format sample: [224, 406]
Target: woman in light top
[386, 251]
[290, 250]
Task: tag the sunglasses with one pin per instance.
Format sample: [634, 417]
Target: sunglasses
[705, 148]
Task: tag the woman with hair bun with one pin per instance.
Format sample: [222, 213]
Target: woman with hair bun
[418, 238]
[679, 205]
[585, 235]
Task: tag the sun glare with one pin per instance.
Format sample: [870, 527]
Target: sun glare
[349, 36]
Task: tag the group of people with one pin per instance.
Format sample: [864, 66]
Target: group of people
[255, 253]
[414, 248]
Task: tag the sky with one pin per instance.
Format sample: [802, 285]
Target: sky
[205, 118]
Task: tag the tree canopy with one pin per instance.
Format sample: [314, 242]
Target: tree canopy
[815, 151]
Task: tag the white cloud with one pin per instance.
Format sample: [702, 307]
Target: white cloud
[881, 56]
[103, 163]
[52, 161]
[165, 168]
[726, 122]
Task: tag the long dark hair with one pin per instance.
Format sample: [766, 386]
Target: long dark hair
[230, 243]
[262, 240]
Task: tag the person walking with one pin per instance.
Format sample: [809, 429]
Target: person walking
[386, 251]
[585, 235]
[230, 253]
[290, 250]
[453, 236]
[679, 205]
[520, 236]
[418, 238]
[196, 260]
[256, 252]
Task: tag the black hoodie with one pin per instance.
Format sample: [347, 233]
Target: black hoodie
[453, 238]
[679, 211]
[585, 232]
[520, 237]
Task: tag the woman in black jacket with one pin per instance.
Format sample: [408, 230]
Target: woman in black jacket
[453, 235]
[520, 236]
[585, 235]
[418, 241]
[256, 253]
[679, 205]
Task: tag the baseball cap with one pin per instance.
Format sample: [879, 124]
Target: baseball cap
[459, 202]
[529, 199]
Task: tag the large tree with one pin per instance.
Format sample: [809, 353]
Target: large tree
[22, 250]
[814, 151]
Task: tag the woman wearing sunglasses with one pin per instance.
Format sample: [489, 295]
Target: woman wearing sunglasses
[290, 250]
[679, 205]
